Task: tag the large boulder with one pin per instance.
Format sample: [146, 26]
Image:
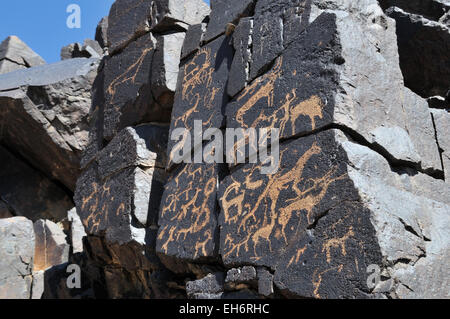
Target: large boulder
[16, 55]
[44, 115]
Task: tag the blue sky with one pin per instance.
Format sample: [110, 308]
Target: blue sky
[42, 23]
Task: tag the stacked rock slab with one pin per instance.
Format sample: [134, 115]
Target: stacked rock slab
[16, 262]
[44, 115]
[360, 182]
[120, 188]
[16, 55]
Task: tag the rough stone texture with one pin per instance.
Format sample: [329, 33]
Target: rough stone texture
[373, 99]
[188, 213]
[430, 9]
[208, 287]
[265, 282]
[363, 169]
[238, 278]
[51, 246]
[424, 48]
[410, 214]
[130, 19]
[43, 115]
[16, 55]
[5, 211]
[77, 232]
[16, 258]
[124, 180]
[90, 49]
[239, 72]
[127, 87]
[201, 89]
[101, 33]
[165, 68]
[194, 37]
[441, 120]
[26, 192]
[224, 12]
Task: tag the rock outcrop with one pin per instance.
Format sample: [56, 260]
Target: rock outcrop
[356, 205]
[16, 55]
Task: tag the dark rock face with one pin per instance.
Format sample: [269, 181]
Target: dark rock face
[26, 192]
[424, 48]
[188, 218]
[44, 115]
[201, 94]
[359, 97]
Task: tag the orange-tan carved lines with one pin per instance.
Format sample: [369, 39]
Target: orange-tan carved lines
[87, 199]
[337, 243]
[196, 74]
[129, 74]
[296, 258]
[317, 279]
[200, 246]
[170, 238]
[312, 108]
[258, 92]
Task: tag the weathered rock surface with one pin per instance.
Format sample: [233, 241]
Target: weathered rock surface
[77, 232]
[26, 192]
[90, 49]
[441, 120]
[16, 55]
[125, 25]
[51, 247]
[424, 48]
[101, 33]
[44, 112]
[16, 261]
[362, 182]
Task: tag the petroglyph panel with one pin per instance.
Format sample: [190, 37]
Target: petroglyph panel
[128, 90]
[271, 219]
[201, 88]
[296, 94]
[188, 214]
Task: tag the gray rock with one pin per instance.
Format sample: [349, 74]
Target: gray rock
[430, 9]
[89, 49]
[166, 61]
[26, 192]
[211, 284]
[46, 119]
[224, 12]
[16, 258]
[373, 99]
[47, 74]
[51, 248]
[194, 37]
[38, 284]
[126, 25]
[16, 55]
[441, 120]
[240, 276]
[4, 210]
[242, 41]
[77, 232]
[265, 282]
[419, 40]
[101, 33]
